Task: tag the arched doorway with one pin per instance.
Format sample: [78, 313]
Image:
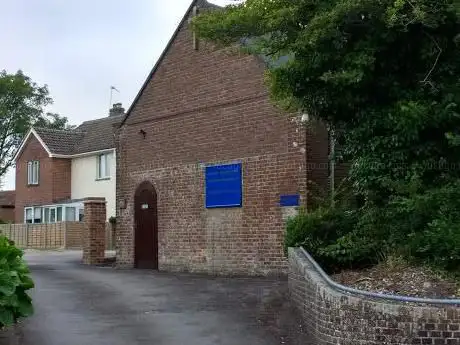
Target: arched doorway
[146, 227]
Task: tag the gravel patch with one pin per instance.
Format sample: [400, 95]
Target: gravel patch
[401, 279]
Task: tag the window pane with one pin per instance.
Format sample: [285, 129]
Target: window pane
[47, 215]
[38, 212]
[99, 166]
[29, 172]
[59, 214]
[33, 168]
[29, 213]
[52, 215]
[81, 214]
[107, 165]
[103, 165]
[70, 214]
[36, 171]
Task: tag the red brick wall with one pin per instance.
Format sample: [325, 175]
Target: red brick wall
[319, 167]
[51, 184]
[7, 214]
[94, 232]
[317, 162]
[333, 316]
[204, 107]
[61, 178]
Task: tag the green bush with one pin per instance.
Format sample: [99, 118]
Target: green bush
[436, 239]
[422, 226]
[329, 235]
[113, 220]
[14, 283]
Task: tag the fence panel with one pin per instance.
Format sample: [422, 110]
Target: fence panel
[109, 236]
[74, 235]
[67, 235]
[36, 236]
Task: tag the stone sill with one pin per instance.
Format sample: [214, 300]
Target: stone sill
[103, 179]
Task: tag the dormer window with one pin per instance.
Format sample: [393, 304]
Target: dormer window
[33, 172]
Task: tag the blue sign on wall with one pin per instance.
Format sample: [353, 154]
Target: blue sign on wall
[223, 186]
[289, 200]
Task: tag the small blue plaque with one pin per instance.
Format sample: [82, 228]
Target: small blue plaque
[289, 200]
[223, 186]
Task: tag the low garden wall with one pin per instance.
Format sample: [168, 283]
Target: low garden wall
[335, 316]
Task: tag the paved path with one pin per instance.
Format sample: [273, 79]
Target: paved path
[78, 305]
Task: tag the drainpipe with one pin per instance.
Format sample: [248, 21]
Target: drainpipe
[332, 164]
[305, 118]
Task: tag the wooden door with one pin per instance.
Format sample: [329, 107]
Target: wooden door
[146, 227]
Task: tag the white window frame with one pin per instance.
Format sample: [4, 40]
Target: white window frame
[50, 209]
[34, 213]
[53, 208]
[103, 166]
[33, 172]
[75, 213]
[25, 214]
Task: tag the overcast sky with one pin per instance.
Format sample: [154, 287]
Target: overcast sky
[81, 48]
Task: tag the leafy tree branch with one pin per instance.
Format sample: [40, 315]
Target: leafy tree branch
[22, 104]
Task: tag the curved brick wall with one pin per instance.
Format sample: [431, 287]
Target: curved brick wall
[335, 317]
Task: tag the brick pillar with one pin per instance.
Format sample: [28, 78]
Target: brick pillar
[94, 233]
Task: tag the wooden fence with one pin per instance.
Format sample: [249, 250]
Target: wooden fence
[63, 235]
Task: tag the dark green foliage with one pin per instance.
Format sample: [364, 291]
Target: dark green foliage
[433, 236]
[22, 104]
[385, 77]
[328, 235]
[14, 283]
[422, 227]
[113, 220]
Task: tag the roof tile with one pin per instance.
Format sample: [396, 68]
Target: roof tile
[90, 136]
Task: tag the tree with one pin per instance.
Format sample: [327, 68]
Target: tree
[54, 121]
[384, 75]
[22, 104]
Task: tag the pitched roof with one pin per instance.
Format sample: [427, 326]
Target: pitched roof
[7, 198]
[61, 142]
[90, 136]
[200, 4]
[97, 134]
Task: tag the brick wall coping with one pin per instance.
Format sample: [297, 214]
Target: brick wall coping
[94, 200]
[350, 290]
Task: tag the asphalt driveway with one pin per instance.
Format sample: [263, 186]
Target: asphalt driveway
[78, 305]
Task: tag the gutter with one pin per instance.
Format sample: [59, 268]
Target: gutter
[84, 154]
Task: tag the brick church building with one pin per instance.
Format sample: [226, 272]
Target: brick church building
[208, 168]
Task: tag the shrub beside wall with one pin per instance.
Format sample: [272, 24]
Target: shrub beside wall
[15, 303]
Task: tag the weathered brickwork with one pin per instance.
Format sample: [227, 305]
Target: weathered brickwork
[7, 214]
[204, 107]
[54, 179]
[334, 317]
[94, 233]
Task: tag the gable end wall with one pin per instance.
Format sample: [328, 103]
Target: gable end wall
[54, 181]
[206, 107]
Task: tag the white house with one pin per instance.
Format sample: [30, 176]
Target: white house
[57, 169]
